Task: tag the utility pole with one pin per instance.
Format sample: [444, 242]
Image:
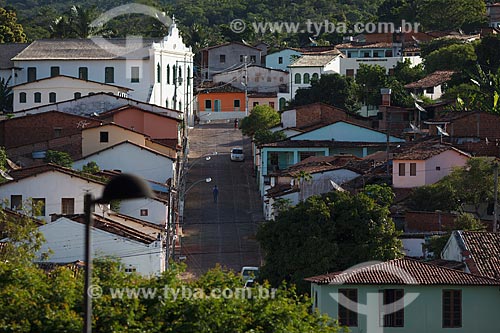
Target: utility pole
[495, 197]
[246, 87]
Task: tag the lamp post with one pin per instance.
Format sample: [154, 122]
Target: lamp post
[122, 187]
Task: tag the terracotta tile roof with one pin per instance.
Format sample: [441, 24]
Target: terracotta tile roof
[71, 49]
[458, 265]
[484, 248]
[423, 150]
[15, 216]
[404, 271]
[170, 143]
[125, 226]
[220, 87]
[39, 169]
[314, 60]
[75, 266]
[281, 189]
[315, 164]
[9, 51]
[431, 80]
[229, 43]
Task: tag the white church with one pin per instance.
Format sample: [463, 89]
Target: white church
[151, 71]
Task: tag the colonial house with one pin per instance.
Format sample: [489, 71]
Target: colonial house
[270, 99]
[406, 295]
[157, 72]
[130, 157]
[310, 67]
[42, 186]
[59, 88]
[229, 56]
[259, 79]
[493, 13]
[137, 244]
[424, 163]
[220, 101]
[432, 86]
[327, 173]
[479, 251]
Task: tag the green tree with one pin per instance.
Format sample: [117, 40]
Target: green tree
[91, 168]
[487, 53]
[261, 117]
[326, 234]
[332, 89]
[6, 96]
[262, 136]
[370, 79]
[429, 198]
[3, 159]
[381, 194]
[58, 157]
[457, 57]
[10, 30]
[445, 15]
[405, 73]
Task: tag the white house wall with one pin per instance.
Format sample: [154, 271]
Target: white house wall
[65, 238]
[387, 63]
[132, 159]
[53, 186]
[157, 211]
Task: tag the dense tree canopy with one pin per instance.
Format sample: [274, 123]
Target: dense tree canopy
[326, 234]
[10, 30]
[33, 300]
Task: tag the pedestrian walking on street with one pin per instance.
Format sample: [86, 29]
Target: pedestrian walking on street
[216, 193]
[236, 123]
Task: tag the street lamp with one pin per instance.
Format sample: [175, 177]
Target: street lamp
[121, 187]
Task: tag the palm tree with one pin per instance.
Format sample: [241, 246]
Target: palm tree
[6, 98]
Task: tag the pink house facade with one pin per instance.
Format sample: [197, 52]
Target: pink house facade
[153, 124]
[419, 167]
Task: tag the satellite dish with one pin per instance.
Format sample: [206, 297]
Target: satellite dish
[5, 175]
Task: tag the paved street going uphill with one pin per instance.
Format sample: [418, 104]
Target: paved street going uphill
[223, 232]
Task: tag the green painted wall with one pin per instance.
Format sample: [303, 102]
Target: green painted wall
[480, 308]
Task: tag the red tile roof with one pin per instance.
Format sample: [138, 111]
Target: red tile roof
[36, 170]
[484, 248]
[431, 80]
[315, 164]
[423, 150]
[404, 271]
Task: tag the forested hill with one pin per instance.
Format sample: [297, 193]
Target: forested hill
[207, 22]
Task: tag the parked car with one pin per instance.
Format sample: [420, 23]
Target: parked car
[237, 154]
[249, 273]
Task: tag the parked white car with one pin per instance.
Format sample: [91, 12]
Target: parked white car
[237, 154]
[249, 273]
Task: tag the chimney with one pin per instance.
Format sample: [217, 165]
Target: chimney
[386, 96]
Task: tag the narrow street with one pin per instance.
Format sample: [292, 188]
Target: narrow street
[223, 232]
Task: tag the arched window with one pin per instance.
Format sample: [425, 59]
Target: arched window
[174, 72]
[180, 106]
[52, 97]
[180, 71]
[158, 73]
[38, 97]
[297, 79]
[282, 103]
[307, 78]
[315, 77]
[22, 97]
[166, 103]
[188, 75]
[168, 74]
